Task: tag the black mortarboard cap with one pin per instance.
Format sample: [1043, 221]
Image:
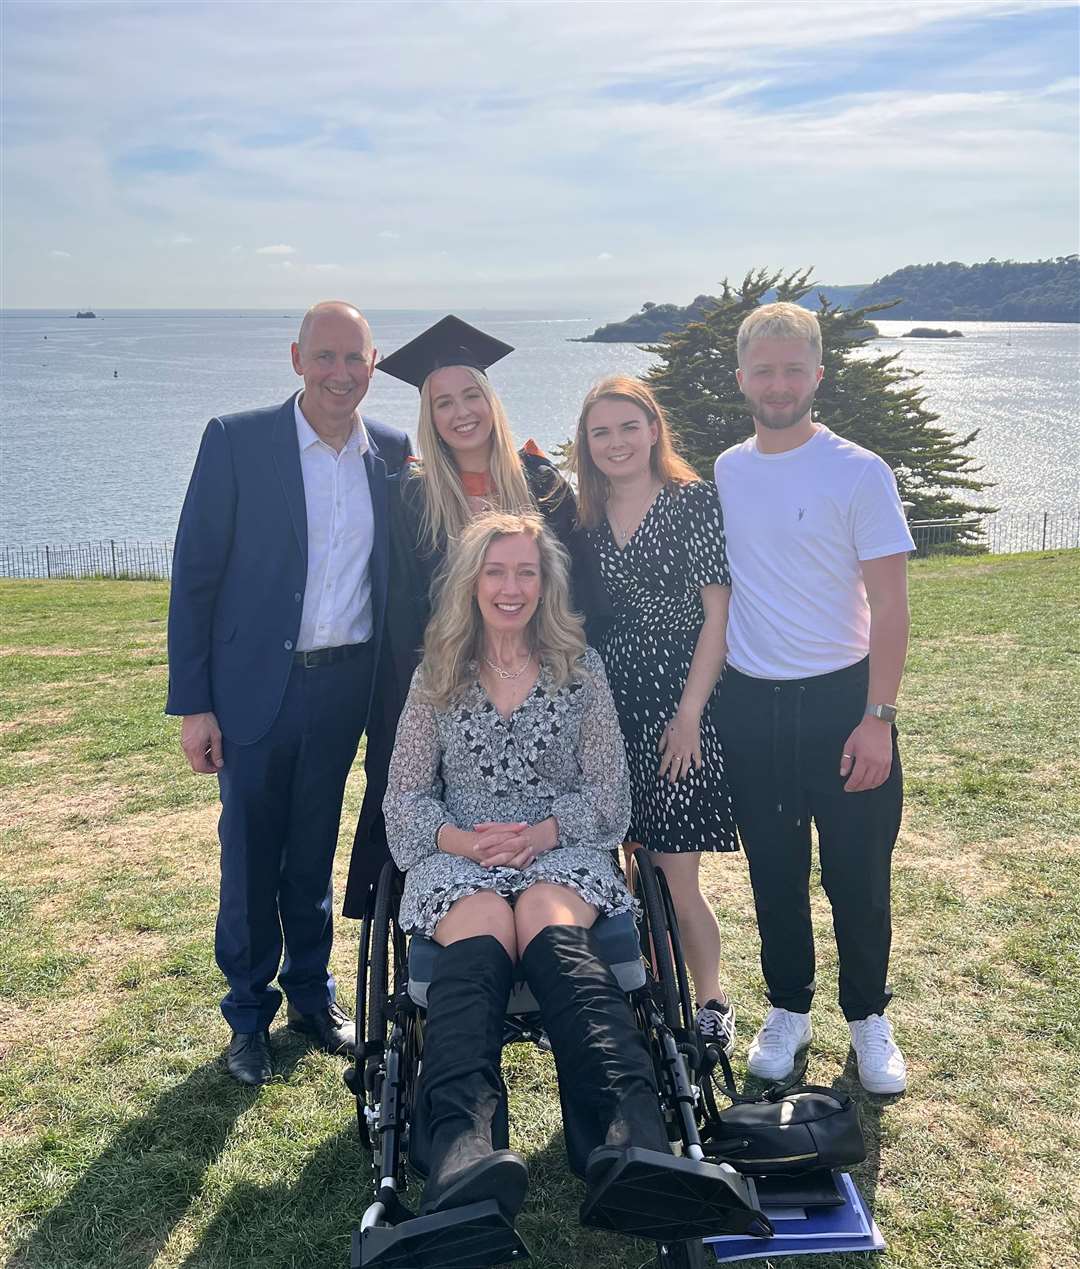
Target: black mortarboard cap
[450, 342]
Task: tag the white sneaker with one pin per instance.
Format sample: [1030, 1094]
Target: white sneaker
[771, 1055]
[881, 1064]
[715, 1022]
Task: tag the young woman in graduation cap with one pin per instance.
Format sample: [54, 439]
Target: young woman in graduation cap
[468, 465]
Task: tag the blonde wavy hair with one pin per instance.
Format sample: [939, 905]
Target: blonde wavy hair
[592, 485]
[455, 635]
[446, 506]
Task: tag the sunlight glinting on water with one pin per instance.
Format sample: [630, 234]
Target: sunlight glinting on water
[90, 454]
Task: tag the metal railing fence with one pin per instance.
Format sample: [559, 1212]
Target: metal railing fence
[1001, 533]
[109, 558]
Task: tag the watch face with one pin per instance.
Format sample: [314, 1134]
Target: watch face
[887, 713]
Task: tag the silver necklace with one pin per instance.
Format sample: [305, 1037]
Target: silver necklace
[622, 534]
[509, 674]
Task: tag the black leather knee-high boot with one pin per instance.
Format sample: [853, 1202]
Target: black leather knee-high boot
[635, 1185]
[460, 1085]
[603, 1061]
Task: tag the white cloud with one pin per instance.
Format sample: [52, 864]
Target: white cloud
[180, 240]
[57, 254]
[327, 268]
[506, 143]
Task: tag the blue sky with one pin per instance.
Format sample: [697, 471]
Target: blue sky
[578, 156]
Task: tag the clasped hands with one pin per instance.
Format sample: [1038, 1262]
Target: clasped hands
[497, 845]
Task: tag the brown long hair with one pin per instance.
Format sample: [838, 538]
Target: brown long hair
[592, 485]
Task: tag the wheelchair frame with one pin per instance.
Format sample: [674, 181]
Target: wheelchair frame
[389, 1029]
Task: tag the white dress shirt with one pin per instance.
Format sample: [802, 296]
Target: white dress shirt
[340, 533]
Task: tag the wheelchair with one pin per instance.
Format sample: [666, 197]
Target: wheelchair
[645, 956]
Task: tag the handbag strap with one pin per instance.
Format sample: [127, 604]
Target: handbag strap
[715, 1056]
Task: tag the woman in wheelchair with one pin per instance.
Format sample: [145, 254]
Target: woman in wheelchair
[508, 798]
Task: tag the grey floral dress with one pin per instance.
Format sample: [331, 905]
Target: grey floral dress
[559, 754]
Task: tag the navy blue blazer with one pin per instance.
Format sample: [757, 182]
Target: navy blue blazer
[240, 567]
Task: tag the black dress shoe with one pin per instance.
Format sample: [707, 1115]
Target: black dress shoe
[249, 1057]
[334, 1030]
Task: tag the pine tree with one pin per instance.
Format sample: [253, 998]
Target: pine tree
[871, 399]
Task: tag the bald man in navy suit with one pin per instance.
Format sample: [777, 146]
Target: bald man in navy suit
[275, 623]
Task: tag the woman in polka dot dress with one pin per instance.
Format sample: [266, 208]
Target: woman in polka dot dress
[651, 536]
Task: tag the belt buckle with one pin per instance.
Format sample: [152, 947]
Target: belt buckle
[310, 660]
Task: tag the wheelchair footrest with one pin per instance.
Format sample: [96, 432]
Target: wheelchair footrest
[471, 1237]
[649, 1194]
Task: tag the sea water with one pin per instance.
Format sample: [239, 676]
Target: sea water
[100, 418]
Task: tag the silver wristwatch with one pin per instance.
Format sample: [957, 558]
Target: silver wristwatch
[887, 713]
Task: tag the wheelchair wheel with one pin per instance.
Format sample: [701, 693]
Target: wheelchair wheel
[380, 967]
[659, 937]
[387, 960]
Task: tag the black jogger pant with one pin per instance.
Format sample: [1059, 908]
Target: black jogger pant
[783, 742]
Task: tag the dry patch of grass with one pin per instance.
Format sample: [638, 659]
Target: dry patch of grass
[967, 869]
[48, 718]
[24, 650]
[62, 1034]
[70, 845]
[59, 807]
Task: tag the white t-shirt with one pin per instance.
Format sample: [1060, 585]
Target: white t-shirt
[797, 524]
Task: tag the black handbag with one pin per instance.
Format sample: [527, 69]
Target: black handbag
[788, 1130]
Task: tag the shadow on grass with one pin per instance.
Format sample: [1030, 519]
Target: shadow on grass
[309, 1221]
[125, 1205]
[305, 1222]
[871, 1108]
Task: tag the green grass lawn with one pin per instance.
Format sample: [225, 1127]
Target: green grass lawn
[124, 1145]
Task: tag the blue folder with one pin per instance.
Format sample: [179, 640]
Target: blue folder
[849, 1227]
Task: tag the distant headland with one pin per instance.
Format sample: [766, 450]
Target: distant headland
[994, 291]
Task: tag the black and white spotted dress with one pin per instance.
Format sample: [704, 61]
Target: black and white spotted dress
[654, 585]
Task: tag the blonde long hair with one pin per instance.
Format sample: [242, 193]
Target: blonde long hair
[446, 506]
[455, 635]
[592, 485]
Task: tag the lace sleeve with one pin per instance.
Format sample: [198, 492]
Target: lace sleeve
[597, 812]
[413, 804]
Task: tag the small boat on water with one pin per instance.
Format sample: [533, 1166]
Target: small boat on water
[87, 313]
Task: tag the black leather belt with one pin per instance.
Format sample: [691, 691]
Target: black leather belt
[314, 658]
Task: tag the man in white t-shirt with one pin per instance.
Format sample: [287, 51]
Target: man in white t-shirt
[817, 637]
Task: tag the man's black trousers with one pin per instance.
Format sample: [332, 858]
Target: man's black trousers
[783, 741]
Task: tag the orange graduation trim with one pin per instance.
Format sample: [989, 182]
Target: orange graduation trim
[477, 484]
